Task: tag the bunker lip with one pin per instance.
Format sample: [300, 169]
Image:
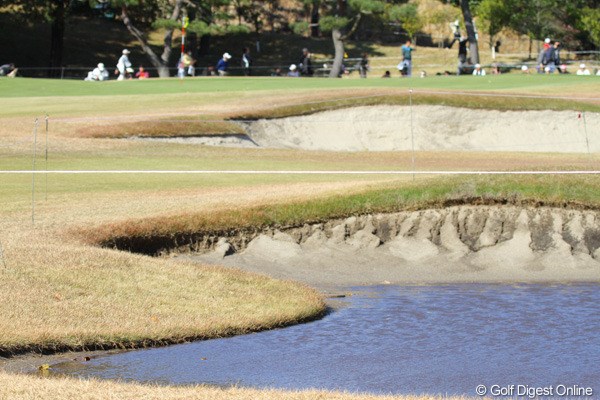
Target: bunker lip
[152, 243]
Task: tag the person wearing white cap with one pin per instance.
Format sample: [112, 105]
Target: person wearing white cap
[98, 74]
[124, 65]
[223, 64]
[478, 71]
[583, 70]
[293, 71]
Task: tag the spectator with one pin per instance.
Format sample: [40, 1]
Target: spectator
[223, 64]
[549, 60]
[293, 73]
[8, 70]
[276, 72]
[363, 65]
[423, 74]
[306, 63]
[97, 74]
[547, 43]
[124, 69]
[407, 50]
[524, 69]
[563, 69]
[478, 71]
[387, 74]
[186, 65]
[246, 61]
[583, 70]
[142, 73]
[557, 49]
[462, 54]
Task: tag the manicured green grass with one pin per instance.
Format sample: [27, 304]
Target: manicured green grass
[44, 87]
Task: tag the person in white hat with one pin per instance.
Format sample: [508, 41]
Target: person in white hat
[223, 64]
[524, 69]
[123, 65]
[97, 74]
[583, 70]
[478, 71]
[293, 71]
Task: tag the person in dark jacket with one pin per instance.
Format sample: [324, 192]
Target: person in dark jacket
[223, 64]
[462, 54]
[549, 59]
[305, 65]
[246, 62]
[363, 65]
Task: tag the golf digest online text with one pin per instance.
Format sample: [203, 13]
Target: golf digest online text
[533, 392]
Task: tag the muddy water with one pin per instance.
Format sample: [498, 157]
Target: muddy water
[398, 339]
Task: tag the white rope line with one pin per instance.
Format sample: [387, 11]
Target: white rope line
[292, 172]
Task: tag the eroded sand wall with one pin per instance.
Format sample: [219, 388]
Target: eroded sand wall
[464, 243]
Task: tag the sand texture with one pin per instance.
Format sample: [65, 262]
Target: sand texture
[457, 244]
[386, 128]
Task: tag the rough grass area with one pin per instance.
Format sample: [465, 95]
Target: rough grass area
[57, 297]
[161, 128]
[23, 387]
[150, 235]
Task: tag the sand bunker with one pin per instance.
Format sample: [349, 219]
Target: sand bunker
[457, 244]
[385, 128]
[388, 128]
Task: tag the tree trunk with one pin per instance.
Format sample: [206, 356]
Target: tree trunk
[473, 47]
[338, 44]
[57, 37]
[314, 19]
[161, 67]
[168, 40]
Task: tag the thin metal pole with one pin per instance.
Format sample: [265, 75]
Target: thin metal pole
[412, 134]
[46, 167]
[587, 141]
[2, 256]
[35, 128]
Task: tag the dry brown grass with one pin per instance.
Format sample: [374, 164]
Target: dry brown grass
[160, 128]
[57, 296]
[22, 387]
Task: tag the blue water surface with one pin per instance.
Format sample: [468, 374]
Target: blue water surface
[398, 339]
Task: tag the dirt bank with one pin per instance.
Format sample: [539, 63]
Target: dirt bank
[457, 244]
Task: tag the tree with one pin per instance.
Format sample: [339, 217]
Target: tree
[590, 22]
[342, 21]
[53, 11]
[471, 33]
[209, 17]
[408, 16]
[494, 15]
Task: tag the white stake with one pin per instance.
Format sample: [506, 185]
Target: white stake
[46, 183]
[35, 128]
[2, 256]
[412, 135]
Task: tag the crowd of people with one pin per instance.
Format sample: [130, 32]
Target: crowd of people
[548, 62]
